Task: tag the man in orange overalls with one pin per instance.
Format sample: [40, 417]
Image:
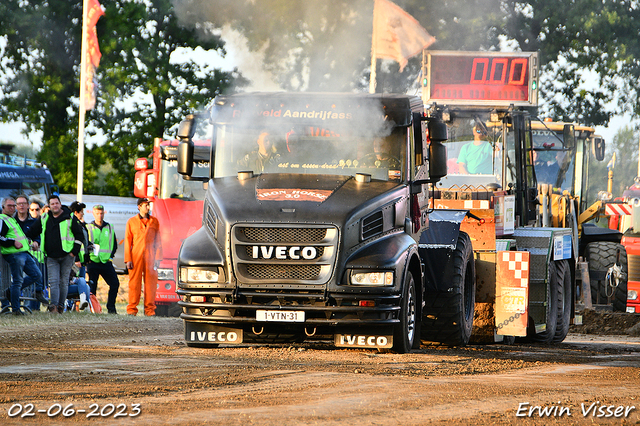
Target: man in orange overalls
[142, 254]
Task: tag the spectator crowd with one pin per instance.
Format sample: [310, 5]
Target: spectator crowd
[55, 259]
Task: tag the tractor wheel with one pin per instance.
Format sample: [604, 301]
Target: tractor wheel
[564, 292]
[551, 317]
[448, 316]
[404, 333]
[601, 256]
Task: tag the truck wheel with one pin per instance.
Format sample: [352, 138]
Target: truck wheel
[562, 274]
[551, 317]
[448, 316]
[404, 334]
[601, 256]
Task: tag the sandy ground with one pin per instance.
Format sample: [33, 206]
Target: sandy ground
[134, 370]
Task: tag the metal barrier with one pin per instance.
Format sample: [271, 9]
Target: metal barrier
[28, 300]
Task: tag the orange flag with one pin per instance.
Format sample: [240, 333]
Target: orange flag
[396, 34]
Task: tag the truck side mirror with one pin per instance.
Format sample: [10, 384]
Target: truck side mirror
[141, 164]
[438, 133]
[437, 161]
[569, 136]
[185, 157]
[140, 184]
[187, 128]
[598, 148]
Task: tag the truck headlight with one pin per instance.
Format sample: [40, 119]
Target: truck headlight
[632, 295]
[372, 278]
[197, 275]
[165, 274]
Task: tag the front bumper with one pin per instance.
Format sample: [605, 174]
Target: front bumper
[336, 309]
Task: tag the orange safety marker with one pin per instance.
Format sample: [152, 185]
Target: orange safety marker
[512, 292]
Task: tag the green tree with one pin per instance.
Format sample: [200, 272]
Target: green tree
[41, 84]
[625, 145]
[590, 51]
[138, 42]
[137, 39]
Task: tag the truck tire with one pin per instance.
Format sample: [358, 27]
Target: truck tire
[601, 256]
[448, 316]
[551, 317]
[564, 292]
[404, 333]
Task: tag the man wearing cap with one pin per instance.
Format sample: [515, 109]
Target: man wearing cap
[15, 250]
[105, 244]
[142, 254]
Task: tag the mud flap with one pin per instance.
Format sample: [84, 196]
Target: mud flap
[199, 332]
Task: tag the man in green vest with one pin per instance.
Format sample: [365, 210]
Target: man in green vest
[60, 239]
[103, 237]
[15, 249]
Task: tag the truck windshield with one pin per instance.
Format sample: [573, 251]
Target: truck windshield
[174, 186]
[553, 163]
[33, 190]
[310, 150]
[30, 181]
[474, 153]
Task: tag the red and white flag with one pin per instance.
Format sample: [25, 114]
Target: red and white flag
[94, 12]
[396, 34]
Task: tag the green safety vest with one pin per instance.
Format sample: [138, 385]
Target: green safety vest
[15, 233]
[66, 236]
[104, 238]
[81, 253]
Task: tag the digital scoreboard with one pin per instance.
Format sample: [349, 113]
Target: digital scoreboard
[480, 78]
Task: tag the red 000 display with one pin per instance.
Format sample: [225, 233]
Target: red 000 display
[503, 79]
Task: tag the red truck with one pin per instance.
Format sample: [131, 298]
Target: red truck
[177, 203]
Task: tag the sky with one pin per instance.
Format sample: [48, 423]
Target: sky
[250, 65]
[238, 56]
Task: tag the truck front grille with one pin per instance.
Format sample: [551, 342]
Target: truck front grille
[280, 272]
[283, 255]
[281, 235]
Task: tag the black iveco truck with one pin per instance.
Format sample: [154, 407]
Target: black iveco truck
[314, 223]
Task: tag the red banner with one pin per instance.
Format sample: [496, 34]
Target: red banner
[94, 12]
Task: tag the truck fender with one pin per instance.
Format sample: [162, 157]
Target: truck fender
[398, 252]
[437, 244]
[200, 249]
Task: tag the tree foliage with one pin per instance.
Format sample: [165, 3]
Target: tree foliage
[625, 145]
[589, 52]
[138, 40]
[41, 84]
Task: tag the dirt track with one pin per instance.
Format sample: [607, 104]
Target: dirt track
[82, 360]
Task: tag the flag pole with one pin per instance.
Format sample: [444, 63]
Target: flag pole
[83, 90]
[373, 76]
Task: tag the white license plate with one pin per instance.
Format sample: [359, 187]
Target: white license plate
[280, 316]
